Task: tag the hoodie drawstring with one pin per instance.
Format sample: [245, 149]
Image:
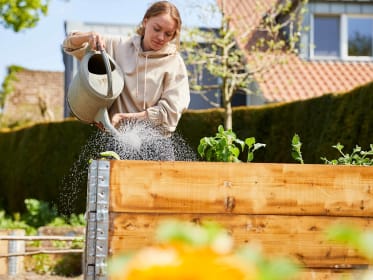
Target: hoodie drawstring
[145, 78]
[137, 75]
[137, 79]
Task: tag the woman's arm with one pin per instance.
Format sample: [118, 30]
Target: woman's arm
[94, 39]
[76, 42]
[175, 98]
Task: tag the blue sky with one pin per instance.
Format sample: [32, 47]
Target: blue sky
[39, 48]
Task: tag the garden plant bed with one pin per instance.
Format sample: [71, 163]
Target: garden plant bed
[284, 207]
[47, 255]
[35, 276]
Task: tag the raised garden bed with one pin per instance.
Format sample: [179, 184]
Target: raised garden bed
[284, 207]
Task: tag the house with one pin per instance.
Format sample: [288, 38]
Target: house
[331, 56]
[335, 54]
[37, 96]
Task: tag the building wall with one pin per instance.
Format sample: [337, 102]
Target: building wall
[330, 8]
[37, 96]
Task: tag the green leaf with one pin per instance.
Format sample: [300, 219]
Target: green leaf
[296, 148]
[110, 154]
[225, 146]
[250, 141]
[250, 157]
[116, 264]
[278, 269]
[20, 14]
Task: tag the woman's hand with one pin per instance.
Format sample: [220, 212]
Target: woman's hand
[119, 118]
[96, 42]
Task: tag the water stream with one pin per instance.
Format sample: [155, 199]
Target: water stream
[136, 140]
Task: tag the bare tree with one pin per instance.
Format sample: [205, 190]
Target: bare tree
[237, 56]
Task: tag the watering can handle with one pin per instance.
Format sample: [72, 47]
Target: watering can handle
[108, 72]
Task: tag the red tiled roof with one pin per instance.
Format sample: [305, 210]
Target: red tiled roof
[296, 79]
[245, 15]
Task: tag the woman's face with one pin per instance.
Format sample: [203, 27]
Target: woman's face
[159, 30]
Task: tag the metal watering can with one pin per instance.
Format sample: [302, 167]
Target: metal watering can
[94, 88]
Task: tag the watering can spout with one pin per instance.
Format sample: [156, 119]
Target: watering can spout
[102, 121]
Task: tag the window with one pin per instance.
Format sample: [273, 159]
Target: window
[360, 32]
[327, 36]
[342, 36]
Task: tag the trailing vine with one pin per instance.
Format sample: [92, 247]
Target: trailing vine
[7, 85]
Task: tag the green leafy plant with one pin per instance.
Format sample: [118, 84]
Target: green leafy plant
[226, 147]
[357, 157]
[352, 237]
[72, 220]
[7, 85]
[19, 15]
[296, 145]
[41, 263]
[38, 213]
[14, 223]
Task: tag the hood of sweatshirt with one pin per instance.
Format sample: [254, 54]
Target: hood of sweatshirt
[169, 49]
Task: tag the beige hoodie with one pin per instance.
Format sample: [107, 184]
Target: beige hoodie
[155, 81]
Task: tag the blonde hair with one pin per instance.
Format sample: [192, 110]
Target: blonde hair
[158, 8]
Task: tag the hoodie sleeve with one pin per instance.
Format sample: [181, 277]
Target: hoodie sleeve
[70, 48]
[175, 98]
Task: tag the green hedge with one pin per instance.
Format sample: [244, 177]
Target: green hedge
[49, 161]
[38, 161]
[320, 122]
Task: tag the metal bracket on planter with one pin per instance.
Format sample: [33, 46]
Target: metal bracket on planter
[97, 216]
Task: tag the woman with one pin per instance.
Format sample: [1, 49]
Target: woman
[155, 77]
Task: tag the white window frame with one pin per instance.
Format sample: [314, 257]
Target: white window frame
[343, 36]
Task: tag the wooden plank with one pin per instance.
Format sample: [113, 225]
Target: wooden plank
[331, 274]
[3, 251]
[300, 238]
[15, 265]
[242, 188]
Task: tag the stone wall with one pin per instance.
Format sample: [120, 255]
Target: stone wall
[38, 96]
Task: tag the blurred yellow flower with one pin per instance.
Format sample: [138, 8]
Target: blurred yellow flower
[186, 251]
[178, 261]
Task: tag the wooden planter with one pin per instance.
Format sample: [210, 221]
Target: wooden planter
[284, 207]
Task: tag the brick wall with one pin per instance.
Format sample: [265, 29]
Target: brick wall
[38, 96]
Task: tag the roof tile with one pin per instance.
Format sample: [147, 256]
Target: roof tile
[297, 79]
